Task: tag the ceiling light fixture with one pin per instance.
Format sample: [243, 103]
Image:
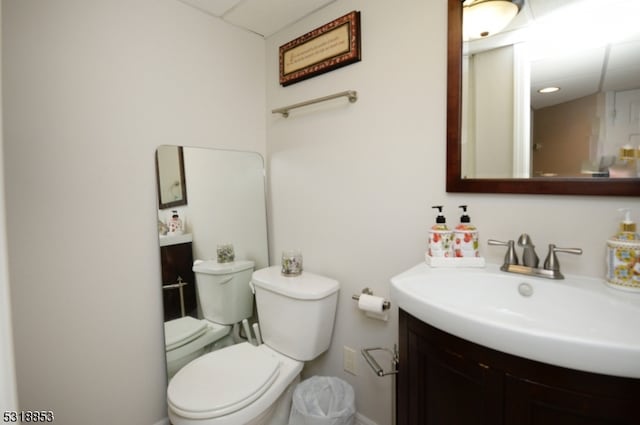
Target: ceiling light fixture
[484, 18]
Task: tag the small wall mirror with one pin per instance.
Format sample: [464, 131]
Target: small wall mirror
[505, 136]
[171, 183]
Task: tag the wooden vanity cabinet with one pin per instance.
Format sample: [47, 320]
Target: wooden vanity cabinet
[177, 263]
[445, 380]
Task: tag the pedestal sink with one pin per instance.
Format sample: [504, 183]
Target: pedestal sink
[577, 323]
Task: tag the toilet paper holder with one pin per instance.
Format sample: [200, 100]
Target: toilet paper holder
[386, 305]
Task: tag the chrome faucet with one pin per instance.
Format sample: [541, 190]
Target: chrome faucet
[552, 263]
[529, 256]
[530, 260]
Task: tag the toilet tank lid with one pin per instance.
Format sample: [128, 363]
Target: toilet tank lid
[213, 267]
[306, 286]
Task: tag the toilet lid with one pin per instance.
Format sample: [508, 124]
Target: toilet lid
[178, 332]
[222, 382]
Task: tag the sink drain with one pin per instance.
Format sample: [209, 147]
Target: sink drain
[525, 289]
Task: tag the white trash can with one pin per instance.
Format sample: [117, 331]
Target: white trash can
[323, 400]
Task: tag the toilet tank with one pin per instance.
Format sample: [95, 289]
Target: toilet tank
[296, 313]
[223, 290]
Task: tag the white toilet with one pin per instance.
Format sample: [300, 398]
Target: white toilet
[245, 384]
[225, 298]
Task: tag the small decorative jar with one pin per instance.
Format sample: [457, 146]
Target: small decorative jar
[291, 263]
[225, 253]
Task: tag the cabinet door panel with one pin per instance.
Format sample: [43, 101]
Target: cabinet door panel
[177, 263]
[532, 403]
[440, 386]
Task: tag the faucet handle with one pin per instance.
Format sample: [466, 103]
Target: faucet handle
[510, 257]
[551, 262]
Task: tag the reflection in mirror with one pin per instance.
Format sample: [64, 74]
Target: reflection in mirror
[205, 295]
[565, 99]
[171, 184]
[506, 135]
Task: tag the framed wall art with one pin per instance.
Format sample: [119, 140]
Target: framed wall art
[331, 46]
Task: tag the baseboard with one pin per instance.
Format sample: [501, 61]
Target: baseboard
[363, 420]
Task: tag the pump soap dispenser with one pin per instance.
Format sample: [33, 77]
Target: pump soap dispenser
[440, 237]
[465, 239]
[623, 256]
[175, 223]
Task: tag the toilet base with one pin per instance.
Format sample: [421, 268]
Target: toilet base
[278, 413]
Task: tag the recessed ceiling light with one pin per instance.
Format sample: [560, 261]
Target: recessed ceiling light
[549, 90]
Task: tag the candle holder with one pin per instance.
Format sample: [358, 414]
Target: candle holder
[291, 263]
[225, 253]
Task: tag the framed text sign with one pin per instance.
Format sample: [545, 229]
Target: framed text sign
[324, 49]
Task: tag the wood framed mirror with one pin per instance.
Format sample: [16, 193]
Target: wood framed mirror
[572, 185]
[170, 178]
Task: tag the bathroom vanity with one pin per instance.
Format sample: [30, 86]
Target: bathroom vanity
[480, 346]
[444, 379]
[176, 259]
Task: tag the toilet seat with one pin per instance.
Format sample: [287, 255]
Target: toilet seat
[209, 387]
[180, 331]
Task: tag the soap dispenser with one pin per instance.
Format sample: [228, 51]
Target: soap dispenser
[623, 256]
[465, 238]
[175, 223]
[440, 237]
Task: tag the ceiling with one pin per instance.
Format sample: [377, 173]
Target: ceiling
[578, 71]
[573, 59]
[263, 17]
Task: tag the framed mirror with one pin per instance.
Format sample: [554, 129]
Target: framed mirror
[520, 116]
[170, 179]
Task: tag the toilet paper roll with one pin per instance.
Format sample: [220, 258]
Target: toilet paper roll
[371, 303]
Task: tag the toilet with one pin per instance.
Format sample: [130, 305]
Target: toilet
[225, 299]
[247, 384]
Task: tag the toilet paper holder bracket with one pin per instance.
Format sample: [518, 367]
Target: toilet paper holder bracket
[386, 305]
[366, 353]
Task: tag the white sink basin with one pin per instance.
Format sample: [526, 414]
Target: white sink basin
[578, 322]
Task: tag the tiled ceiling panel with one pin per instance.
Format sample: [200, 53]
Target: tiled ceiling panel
[268, 17]
[264, 17]
[213, 7]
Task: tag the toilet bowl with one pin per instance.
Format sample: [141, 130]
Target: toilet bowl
[256, 390]
[245, 384]
[225, 299]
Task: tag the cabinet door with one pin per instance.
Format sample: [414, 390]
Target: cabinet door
[532, 403]
[177, 263]
[440, 386]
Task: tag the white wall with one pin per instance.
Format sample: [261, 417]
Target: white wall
[8, 392]
[226, 195]
[352, 184]
[91, 89]
[493, 113]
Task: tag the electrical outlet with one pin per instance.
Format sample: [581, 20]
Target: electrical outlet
[349, 357]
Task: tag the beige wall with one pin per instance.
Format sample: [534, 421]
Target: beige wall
[564, 143]
[8, 391]
[351, 185]
[92, 87]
